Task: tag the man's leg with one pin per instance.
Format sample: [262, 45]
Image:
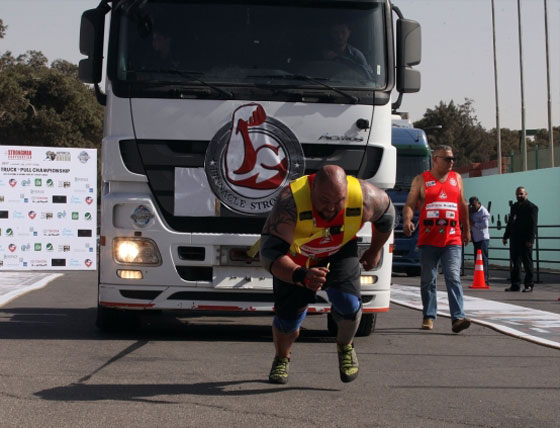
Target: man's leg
[476, 247]
[451, 262]
[527, 260]
[484, 248]
[290, 306]
[515, 273]
[347, 313]
[283, 340]
[429, 260]
[284, 334]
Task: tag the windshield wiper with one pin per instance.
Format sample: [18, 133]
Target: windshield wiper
[318, 80]
[189, 75]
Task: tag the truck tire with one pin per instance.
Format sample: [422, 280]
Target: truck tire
[366, 327]
[111, 320]
[414, 271]
[331, 325]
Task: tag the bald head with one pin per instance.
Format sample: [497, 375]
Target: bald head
[521, 194]
[328, 194]
[330, 176]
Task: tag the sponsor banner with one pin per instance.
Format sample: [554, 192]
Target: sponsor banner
[48, 208]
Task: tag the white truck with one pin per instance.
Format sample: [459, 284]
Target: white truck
[212, 107]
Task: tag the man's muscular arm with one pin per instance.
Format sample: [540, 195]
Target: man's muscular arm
[414, 199]
[377, 208]
[281, 221]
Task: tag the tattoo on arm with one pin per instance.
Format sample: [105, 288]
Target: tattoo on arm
[375, 202]
[284, 214]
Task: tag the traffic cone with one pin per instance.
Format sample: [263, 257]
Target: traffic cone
[478, 279]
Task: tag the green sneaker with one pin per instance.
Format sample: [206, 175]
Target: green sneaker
[279, 370]
[347, 362]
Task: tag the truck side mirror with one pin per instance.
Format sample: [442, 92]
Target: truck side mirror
[91, 44]
[409, 53]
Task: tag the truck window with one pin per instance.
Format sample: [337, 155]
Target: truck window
[249, 44]
[409, 166]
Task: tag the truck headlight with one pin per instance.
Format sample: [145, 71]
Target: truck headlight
[137, 251]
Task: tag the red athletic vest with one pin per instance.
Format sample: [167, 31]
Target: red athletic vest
[439, 217]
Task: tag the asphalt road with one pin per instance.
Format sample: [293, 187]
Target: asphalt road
[57, 370]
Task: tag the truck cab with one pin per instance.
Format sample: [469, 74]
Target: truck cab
[212, 108]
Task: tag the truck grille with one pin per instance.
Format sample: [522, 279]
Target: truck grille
[157, 159]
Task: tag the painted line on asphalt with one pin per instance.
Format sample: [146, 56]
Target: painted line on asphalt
[16, 284]
[533, 325]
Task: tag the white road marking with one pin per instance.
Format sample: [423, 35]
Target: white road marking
[530, 324]
[539, 330]
[16, 284]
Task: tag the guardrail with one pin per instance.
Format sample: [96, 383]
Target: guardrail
[536, 254]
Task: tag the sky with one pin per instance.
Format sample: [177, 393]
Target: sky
[457, 53]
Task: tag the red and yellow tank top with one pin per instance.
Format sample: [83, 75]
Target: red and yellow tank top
[439, 217]
[316, 238]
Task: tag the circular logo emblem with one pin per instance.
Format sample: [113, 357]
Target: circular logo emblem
[141, 216]
[250, 160]
[83, 157]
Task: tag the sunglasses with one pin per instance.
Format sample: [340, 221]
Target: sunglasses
[447, 159]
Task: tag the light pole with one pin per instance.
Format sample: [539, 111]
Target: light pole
[498, 131]
[523, 133]
[550, 137]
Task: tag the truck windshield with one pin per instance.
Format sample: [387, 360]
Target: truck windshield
[250, 43]
[409, 167]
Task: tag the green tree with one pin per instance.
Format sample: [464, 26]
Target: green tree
[509, 140]
[65, 67]
[46, 106]
[541, 138]
[458, 127]
[2, 29]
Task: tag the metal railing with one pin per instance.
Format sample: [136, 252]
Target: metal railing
[537, 250]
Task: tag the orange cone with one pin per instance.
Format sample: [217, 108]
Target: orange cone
[478, 279]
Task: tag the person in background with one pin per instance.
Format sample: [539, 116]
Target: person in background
[163, 55]
[340, 50]
[479, 220]
[521, 229]
[439, 195]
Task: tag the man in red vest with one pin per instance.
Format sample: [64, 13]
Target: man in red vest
[309, 243]
[440, 197]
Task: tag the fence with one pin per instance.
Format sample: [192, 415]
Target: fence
[537, 253]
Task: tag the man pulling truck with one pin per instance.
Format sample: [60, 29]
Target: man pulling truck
[309, 243]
